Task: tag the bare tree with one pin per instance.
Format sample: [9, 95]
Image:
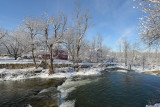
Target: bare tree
[81, 25]
[120, 50]
[92, 50]
[150, 23]
[3, 33]
[99, 48]
[134, 50]
[32, 28]
[16, 44]
[58, 26]
[69, 42]
[126, 49]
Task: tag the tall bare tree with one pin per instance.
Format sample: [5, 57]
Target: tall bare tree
[120, 50]
[126, 49]
[69, 42]
[99, 48]
[32, 28]
[58, 26]
[81, 25]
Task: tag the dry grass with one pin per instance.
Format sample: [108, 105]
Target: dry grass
[152, 72]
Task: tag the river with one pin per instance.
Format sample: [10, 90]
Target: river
[117, 89]
[111, 89]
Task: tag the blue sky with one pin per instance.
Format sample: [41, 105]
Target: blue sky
[113, 19]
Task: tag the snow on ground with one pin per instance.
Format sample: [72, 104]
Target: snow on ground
[18, 71]
[9, 60]
[69, 72]
[122, 71]
[66, 72]
[58, 61]
[17, 74]
[138, 69]
[149, 68]
[156, 105]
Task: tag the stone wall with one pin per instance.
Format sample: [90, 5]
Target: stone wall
[29, 65]
[16, 66]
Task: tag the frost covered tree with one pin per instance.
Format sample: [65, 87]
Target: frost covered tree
[134, 53]
[80, 25]
[99, 48]
[125, 50]
[32, 28]
[74, 37]
[3, 33]
[57, 25]
[92, 51]
[83, 53]
[16, 44]
[96, 51]
[70, 43]
[120, 51]
[150, 22]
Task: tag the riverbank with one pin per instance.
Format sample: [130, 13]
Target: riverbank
[65, 72]
[68, 71]
[73, 80]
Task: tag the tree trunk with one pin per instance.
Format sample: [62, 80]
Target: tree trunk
[51, 71]
[15, 57]
[125, 58]
[33, 57]
[77, 58]
[143, 62]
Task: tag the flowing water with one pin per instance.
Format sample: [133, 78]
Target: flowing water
[36, 92]
[111, 89]
[117, 89]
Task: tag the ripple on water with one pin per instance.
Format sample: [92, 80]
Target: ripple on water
[116, 89]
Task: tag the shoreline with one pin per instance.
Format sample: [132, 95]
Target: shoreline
[67, 74]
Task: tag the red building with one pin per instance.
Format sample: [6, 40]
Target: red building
[60, 54]
[57, 54]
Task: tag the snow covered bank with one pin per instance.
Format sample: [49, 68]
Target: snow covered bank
[156, 105]
[66, 72]
[63, 72]
[18, 74]
[147, 70]
[140, 69]
[122, 71]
